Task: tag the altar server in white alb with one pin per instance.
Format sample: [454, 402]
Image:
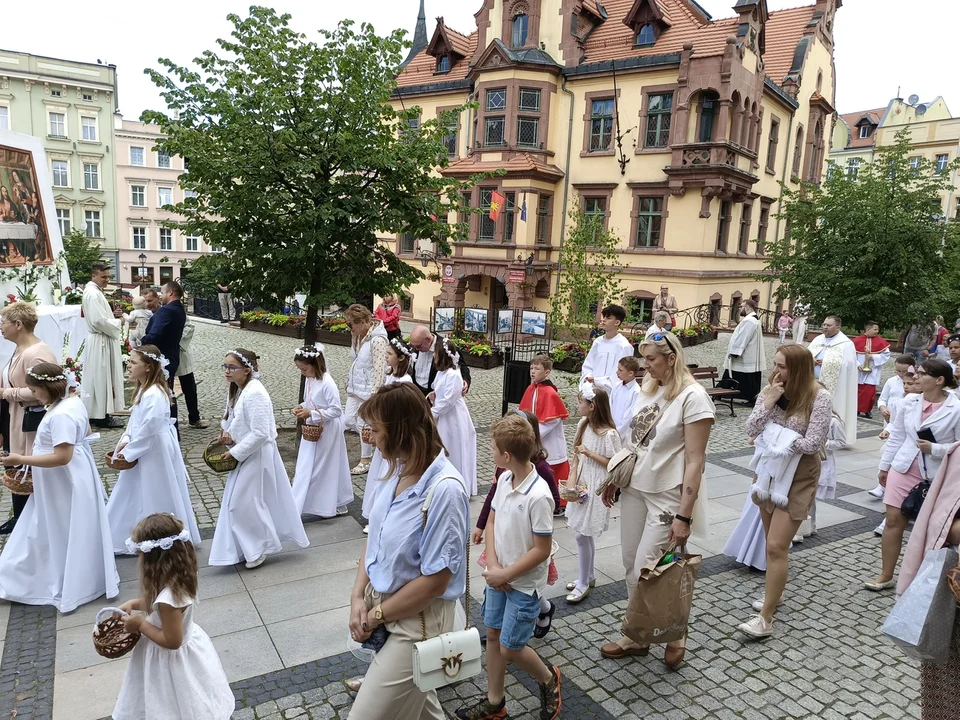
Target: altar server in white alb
[158, 482]
[457, 432]
[745, 357]
[102, 364]
[321, 484]
[624, 395]
[600, 365]
[59, 553]
[835, 366]
[258, 511]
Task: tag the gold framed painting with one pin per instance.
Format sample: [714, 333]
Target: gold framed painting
[24, 235]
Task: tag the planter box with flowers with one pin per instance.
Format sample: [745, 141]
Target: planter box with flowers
[273, 323]
[570, 357]
[476, 352]
[334, 331]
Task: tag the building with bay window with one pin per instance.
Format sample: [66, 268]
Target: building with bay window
[671, 126]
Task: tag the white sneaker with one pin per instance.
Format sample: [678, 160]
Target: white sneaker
[798, 538]
[877, 492]
[878, 530]
[342, 510]
[366, 529]
[256, 563]
[757, 628]
[361, 468]
[758, 604]
[806, 528]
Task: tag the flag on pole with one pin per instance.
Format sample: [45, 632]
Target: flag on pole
[523, 208]
[496, 205]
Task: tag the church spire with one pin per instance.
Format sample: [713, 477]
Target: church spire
[420, 39]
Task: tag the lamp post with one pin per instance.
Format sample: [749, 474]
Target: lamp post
[143, 270]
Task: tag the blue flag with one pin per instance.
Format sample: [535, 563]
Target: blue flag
[523, 208]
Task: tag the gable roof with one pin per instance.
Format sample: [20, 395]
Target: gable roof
[449, 38]
[852, 119]
[422, 69]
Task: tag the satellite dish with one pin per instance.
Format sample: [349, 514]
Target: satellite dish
[921, 109]
[913, 99]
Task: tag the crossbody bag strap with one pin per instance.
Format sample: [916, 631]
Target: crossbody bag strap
[424, 509]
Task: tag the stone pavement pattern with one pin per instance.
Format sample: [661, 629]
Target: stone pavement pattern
[281, 632]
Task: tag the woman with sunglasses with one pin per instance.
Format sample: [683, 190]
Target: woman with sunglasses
[258, 511]
[924, 428]
[669, 432]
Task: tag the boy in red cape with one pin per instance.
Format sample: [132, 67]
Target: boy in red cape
[542, 399]
[872, 352]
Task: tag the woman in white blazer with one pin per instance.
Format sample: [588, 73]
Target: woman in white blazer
[908, 459]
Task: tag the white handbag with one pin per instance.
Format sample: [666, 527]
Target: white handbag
[450, 657]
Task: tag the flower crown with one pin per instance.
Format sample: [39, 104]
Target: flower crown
[304, 352]
[163, 543]
[401, 347]
[587, 391]
[160, 359]
[455, 356]
[254, 373]
[46, 378]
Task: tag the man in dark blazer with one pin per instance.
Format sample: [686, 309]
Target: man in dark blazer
[166, 327]
[424, 371]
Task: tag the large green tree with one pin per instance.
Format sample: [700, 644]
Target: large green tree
[873, 245]
[298, 160]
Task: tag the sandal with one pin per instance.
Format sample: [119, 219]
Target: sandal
[576, 597]
[573, 584]
[540, 631]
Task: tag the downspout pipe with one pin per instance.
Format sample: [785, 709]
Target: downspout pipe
[566, 180]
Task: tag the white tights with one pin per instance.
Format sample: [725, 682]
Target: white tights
[587, 551]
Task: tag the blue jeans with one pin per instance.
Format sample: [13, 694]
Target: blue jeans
[513, 613]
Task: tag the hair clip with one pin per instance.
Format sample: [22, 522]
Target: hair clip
[587, 391]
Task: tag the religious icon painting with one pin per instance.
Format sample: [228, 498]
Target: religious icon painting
[23, 227]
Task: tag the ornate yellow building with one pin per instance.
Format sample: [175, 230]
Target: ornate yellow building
[672, 126]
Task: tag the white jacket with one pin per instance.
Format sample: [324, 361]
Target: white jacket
[775, 464]
[365, 377]
[901, 448]
[250, 422]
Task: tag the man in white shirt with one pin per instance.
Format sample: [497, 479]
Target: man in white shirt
[835, 365]
[424, 341]
[746, 360]
[661, 321]
[600, 366]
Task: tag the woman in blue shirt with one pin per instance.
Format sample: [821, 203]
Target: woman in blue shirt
[414, 568]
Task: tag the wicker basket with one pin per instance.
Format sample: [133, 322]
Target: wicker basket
[19, 481]
[109, 638]
[213, 457]
[311, 433]
[119, 462]
[953, 581]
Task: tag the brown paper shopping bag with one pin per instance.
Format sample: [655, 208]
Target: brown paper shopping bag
[660, 608]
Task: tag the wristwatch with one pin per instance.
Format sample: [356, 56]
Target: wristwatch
[681, 518]
[378, 613]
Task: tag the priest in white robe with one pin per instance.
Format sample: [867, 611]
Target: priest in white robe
[872, 353]
[835, 365]
[102, 363]
[746, 361]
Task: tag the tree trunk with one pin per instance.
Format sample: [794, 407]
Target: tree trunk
[310, 322]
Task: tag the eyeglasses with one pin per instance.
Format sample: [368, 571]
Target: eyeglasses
[231, 368]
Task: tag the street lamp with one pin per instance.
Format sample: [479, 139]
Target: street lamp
[143, 268]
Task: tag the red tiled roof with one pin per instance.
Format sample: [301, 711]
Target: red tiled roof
[851, 119]
[525, 164]
[784, 30]
[422, 69]
[462, 44]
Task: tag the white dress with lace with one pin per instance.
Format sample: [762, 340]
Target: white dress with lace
[592, 517]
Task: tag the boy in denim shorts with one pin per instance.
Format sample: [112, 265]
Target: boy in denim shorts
[519, 541]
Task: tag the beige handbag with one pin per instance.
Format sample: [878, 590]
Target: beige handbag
[621, 465]
[453, 656]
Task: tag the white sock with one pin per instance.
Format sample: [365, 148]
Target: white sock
[544, 609]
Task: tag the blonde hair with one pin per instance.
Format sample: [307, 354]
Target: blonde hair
[156, 376]
[678, 374]
[23, 313]
[801, 387]
[357, 314]
[175, 568]
[513, 434]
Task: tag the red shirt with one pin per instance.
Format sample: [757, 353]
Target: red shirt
[389, 316]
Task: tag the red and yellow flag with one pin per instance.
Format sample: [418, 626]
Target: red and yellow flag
[496, 205]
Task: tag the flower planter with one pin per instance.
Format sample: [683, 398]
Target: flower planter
[570, 365]
[333, 338]
[483, 362]
[692, 340]
[291, 331]
[684, 340]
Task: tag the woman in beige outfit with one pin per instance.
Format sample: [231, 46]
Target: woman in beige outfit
[19, 320]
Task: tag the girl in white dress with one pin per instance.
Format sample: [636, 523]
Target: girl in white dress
[596, 441]
[457, 432]
[258, 511]
[399, 357]
[60, 552]
[174, 671]
[321, 484]
[158, 482]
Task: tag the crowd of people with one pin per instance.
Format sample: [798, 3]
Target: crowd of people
[419, 454]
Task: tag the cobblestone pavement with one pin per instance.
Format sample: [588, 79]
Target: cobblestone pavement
[280, 630]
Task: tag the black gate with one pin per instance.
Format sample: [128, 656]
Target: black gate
[523, 334]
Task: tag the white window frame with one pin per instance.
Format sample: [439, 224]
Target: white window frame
[133, 237]
[97, 223]
[191, 243]
[943, 159]
[143, 156]
[63, 114]
[169, 165]
[143, 194]
[84, 128]
[61, 219]
[865, 131]
[169, 238]
[4, 116]
[160, 191]
[98, 186]
[53, 172]
[853, 168]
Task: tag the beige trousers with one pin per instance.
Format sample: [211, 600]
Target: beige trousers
[388, 692]
[645, 531]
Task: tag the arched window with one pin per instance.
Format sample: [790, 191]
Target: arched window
[798, 151]
[708, 115]
[519, 30]
[645, 35]
[816, 156]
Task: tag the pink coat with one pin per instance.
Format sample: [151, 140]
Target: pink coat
[936, 516]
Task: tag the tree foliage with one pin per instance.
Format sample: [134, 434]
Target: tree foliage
[589, 265]
[870, 247]
[200, 275]
[81, 253]
[298, 160]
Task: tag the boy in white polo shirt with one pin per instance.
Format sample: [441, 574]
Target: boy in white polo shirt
[519, 541]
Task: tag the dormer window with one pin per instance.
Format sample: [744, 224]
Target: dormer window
[646, 35]
[520, 28]
[443, 64]
[866, 130]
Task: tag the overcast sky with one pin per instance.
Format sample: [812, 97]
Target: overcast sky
[876, 50]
